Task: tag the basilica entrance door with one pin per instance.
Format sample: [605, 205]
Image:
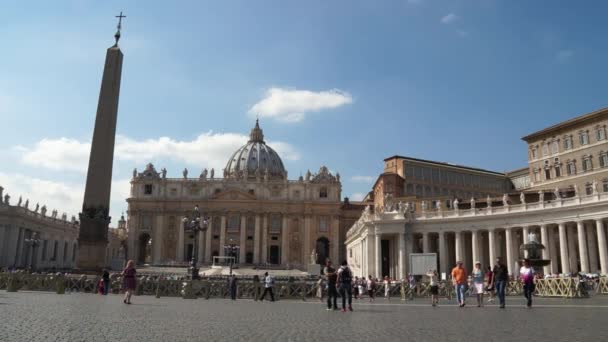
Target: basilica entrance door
[144, 249]
[275, 255]
[322, 249]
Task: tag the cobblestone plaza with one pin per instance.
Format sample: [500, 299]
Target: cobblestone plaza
[39, 316]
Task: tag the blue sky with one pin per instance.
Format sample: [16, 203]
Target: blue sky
[337, 83]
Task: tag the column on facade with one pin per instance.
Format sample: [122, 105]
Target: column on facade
[601, 242]
[335, 229]
[370, 254]
[180, 241]
[208, 237]
[475, 247]
[591, 247]
[133, 224]
[378, 255]
[223, 235]
[3, 238]
[509, 245]
[265, 239]
[459, 246]
[491, 246]
[582, 247]
[544, 239]
[563, 248]
[285, 241]
[525, 231]
[553, 250]
[426, 243]
[256, 240]
[571, 245]
[401, 255]
[157, 240]
[307, 248]
[443, 253]
[201, 247]
[243, 240]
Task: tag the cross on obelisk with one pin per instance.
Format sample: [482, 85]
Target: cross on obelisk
[118, 27]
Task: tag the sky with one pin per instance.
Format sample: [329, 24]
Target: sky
[343, 84]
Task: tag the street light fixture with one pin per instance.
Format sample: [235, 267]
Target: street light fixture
[195, 225]
[34, 241]
[231, 248]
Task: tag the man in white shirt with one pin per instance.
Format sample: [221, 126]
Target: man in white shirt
[268, 285]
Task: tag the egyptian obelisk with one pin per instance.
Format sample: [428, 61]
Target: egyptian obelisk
[95, 219]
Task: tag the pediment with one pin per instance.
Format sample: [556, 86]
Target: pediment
[233, 195]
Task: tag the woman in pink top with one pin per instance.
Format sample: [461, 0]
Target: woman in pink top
[526, 274]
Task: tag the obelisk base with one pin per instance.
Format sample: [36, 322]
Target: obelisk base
[91, 256]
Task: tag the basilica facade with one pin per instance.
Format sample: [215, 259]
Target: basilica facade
[254, 212]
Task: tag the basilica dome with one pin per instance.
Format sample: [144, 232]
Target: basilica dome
[255, 159]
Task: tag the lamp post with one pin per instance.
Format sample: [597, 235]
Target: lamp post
[195, 225]
[34, 242]
[231, 248]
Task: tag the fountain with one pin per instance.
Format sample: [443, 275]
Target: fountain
[533, 251]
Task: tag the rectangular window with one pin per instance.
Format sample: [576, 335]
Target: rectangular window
[587, 166]
[604, 159]
[584, 138]
[547, 174]
[601, 133]
[148, 189]
[534, 153]
[234, 222]
[275, 224]
[322, 225]
[545, 150]
[558, 171]
[555, 147]
[567, 142]
[605, 185]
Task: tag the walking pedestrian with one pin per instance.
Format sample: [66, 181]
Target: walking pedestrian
[331, 278]
[387, 288]
[106, 281]
[432, 274]
[490, 282]
[459, 279]
[232, 286]
[499, 281]
[371, 287]
[411, 281]
[356, 288]
[361, 286]
[320, 285]
[268, 285]
[527, 276]
[129, 281]
[478, 276]
[345, 281]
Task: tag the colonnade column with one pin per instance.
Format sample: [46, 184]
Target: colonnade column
[475, 248]
[265, 239]
[544, 239]
[201, 246]
[285, 241]
[426, 245]
[335, 228]
[180, 241]
[491, 246]
[552, 250]
[401, 254]
[458, 246]
[222, 235]
[443, 254]
[563, 248]
[591, 247]
[158, 239]
[307, 248]
[243, 240]
[256, 241]
[571, 245]
[582, 247]
[208, 236]
[601, 242]
[509, 244]
[378, 256]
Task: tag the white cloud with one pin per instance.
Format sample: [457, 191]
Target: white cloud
[291, 105]
[207, 150]
[358, 196]
[449, 18]
[564, 56]
[362, 179]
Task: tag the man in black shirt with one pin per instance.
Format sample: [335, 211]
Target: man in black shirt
[331, 278]
[500, 280]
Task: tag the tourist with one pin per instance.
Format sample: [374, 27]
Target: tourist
[361, 286]
[232, 285]
[320, 285]
[345, 279]
[387, 288]
[129, 281]
[478, 276]
[489, 281]
[106, 281]
[331, 278]
[527, 276]
[371, 287]
[500, 280]
[356, 287]
[268, 285]
[432, 274]
[459, 279]
[411, 281]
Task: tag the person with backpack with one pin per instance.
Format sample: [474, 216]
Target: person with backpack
[331, 278]
[345, 281]
[268, 285]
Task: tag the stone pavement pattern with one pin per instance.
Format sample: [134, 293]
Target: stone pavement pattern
[37, 316]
